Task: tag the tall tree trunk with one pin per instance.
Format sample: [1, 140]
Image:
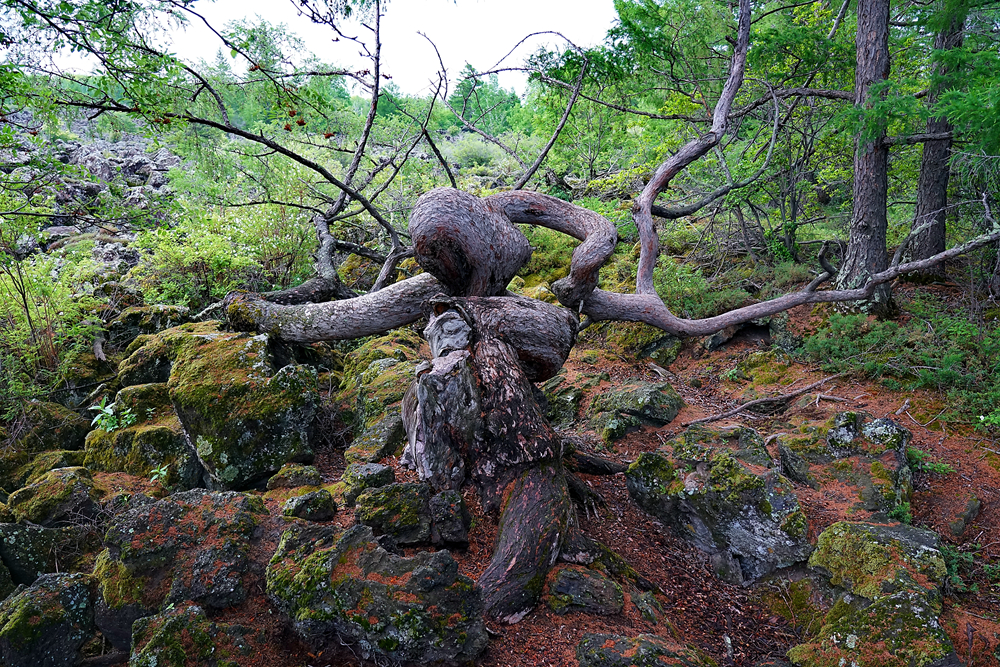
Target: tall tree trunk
[866, 251]
[932, 190]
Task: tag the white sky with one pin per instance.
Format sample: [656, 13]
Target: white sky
[476, 31]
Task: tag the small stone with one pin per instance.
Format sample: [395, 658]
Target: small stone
[450, 519]
[359, 477]
[293, 475]
[315, 506]
[596, 650]
[400, 510]
[967, 516]
[383, 439]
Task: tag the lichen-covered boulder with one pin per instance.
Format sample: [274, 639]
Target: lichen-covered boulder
[137, 320]
[417, 609]
[375, 377]
[596, 650]
[563, 400]
[314, 506]
[383, 438]
[889, 616]
[184, 637]
[293, 475]
[795, 467]
[198, 540]
[358, 477]
[45, 624]
[400, 510]
[698, 443]
[750, 524]
[46, 461]
[450, 519]
[154, 444]
[30, 551]
[61, 497]
[245, 417]
[633, 404]
[580, 589]
[844, 432]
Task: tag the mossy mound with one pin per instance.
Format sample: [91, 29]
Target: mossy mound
[872, 560]
[50, 427]
[61, 497]
[293, 475]
[890, 616]
[416, 609]
[45, 624]
[198, 540]
[46, 461]
[245, 417]
[359, 477]
[400, 510]
[580, 589]
[381, 439]
[155, 444]
[633, 404]
[184, 637]
[312, 506]
[596, 650]
[751, 524]
[698, 442]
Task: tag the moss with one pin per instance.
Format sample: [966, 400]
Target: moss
[44, 462]
[117, 585]
[48, 499]
[795, 525]
[793, 601]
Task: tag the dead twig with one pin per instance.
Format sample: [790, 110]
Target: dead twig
[763, 401]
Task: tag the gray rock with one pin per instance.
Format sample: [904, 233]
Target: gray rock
[596, 650]
[30, 551]
[293, 475]
[138, 320]
[580, 589]
[655, 404]
[330, 582]
[358, 477]
[750, 524]
[845, 430]
[382, 439]
[45, 624]
[156, 639]
[400, 510]
[967, 516]
[795, 467]
[450, 519]
[315, 506]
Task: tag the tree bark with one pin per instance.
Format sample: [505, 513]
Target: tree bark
[866, 251]
[932, 188]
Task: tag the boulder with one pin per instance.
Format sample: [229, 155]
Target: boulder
[293, 475]
[184, 637]
[138, 320]
[450, 519]
[892, 575]
[399, 510]
[30, 551]
[49, 427]
[245, 417]
[580, 589]
[633, 404]
[383, 438]
[314, 506]
[596, 650]
[416, 609]
[375, 377]
[563, 400]
[154, 445]
[750, 524]
[61, 497]
[358, 477]
[46, 461]
[45, 624]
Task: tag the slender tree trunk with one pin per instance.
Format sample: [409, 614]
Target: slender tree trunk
[932, 190]
[866, 251]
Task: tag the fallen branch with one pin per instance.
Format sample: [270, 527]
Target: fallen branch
[785, 398]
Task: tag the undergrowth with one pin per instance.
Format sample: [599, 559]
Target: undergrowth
[935, 348]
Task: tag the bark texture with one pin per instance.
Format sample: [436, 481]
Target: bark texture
[866, 251]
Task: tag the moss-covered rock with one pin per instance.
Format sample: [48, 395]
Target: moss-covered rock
[612, 426]
[416, 609]
[383, 438]
[400, 510]
[45, 624]
[563, 400]
[138, 320]
[49, 427]
[358, 477]
[313, 506]
[795, 467]
[580, 589]
[30, 551]
[751, 524]
[245, 417]
[198, 541]
[844, 432]
[873, 560]
[44, 462]
[655, 404]
[184, 637]
[596, 650]
[293, 475]
[60, 497]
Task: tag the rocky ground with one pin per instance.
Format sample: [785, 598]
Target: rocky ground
[244, 503]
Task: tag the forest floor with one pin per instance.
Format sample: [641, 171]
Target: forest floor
[699, 608]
